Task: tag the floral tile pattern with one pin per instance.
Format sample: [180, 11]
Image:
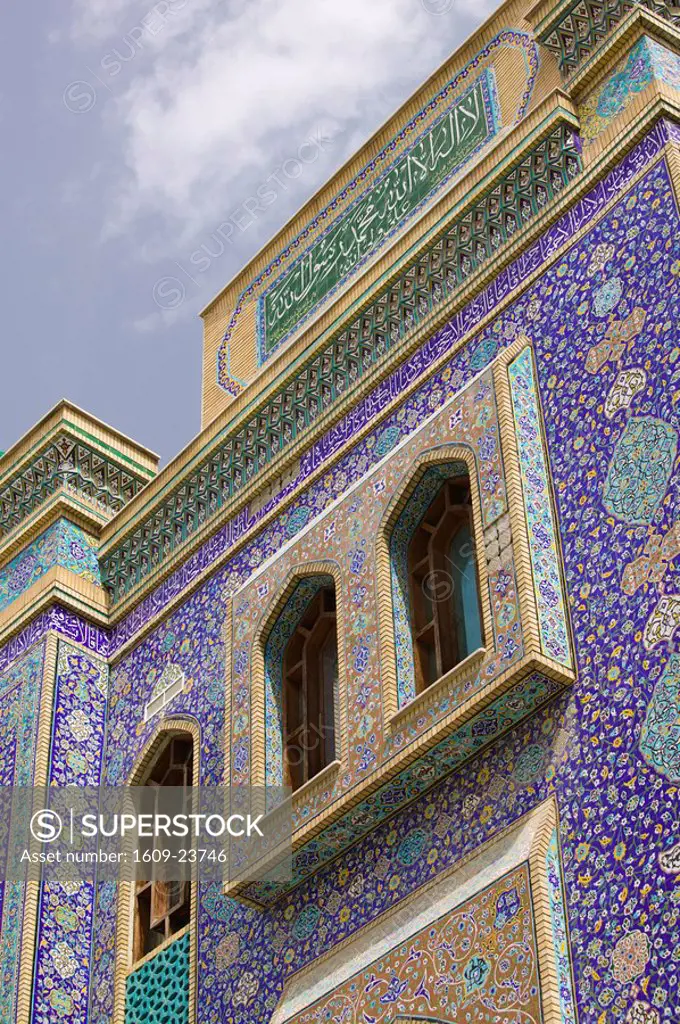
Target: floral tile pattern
[609, 306]
[646, 61]
[552, 617]
[62, 544]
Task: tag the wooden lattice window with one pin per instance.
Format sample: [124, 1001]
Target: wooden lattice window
[163, 908]
[310, 673]
[444, 584]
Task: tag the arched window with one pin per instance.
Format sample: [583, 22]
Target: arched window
[163, 908]
[309, 675]
[443, 583]
[435, 581]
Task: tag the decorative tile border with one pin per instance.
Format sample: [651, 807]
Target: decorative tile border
[20, 700]
[70, 463]
[66, 624]
[646, 62]
[481, 99]
[428, 971]
[423, 773]
[583, 24]
[66, 910]
[538, 507]
[558, 920]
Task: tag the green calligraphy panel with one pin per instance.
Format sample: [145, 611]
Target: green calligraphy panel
[434, 156]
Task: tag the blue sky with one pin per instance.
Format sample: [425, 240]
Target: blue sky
[133, 130]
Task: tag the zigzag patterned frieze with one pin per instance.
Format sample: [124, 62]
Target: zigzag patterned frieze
[584, 25]
[464, 245]
[69, 464]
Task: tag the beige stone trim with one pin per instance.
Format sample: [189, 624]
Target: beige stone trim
[513, 479]
[172, 725]
[388, 769]
[58, 585]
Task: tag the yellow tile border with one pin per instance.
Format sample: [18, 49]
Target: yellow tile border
[389, 769]
[24, 1004]
[674, 169]
[516, 506]
[56, 586]
[172, 725]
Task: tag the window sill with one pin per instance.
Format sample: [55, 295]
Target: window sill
[324, 778]
[467, 667]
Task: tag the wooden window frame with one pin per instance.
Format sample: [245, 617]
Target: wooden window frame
[309, 741]
[432, 589]
[162, 909]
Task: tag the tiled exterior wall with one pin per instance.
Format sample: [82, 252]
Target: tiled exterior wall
[591, 355]
[601, 749]
[21, 693]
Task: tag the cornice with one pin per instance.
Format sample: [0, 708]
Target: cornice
[639, 22]
[575, 30]
[61, 505]
[507, 14]
[70, 452]
[579, 190]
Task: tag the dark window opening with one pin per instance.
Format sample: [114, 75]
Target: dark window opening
[310, 673]
[163, 908]
[444, 585]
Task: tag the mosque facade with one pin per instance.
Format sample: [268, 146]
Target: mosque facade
[420, 571]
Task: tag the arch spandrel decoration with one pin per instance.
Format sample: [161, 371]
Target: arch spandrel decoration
[466, 709]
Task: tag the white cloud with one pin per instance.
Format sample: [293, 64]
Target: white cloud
[212, 95]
